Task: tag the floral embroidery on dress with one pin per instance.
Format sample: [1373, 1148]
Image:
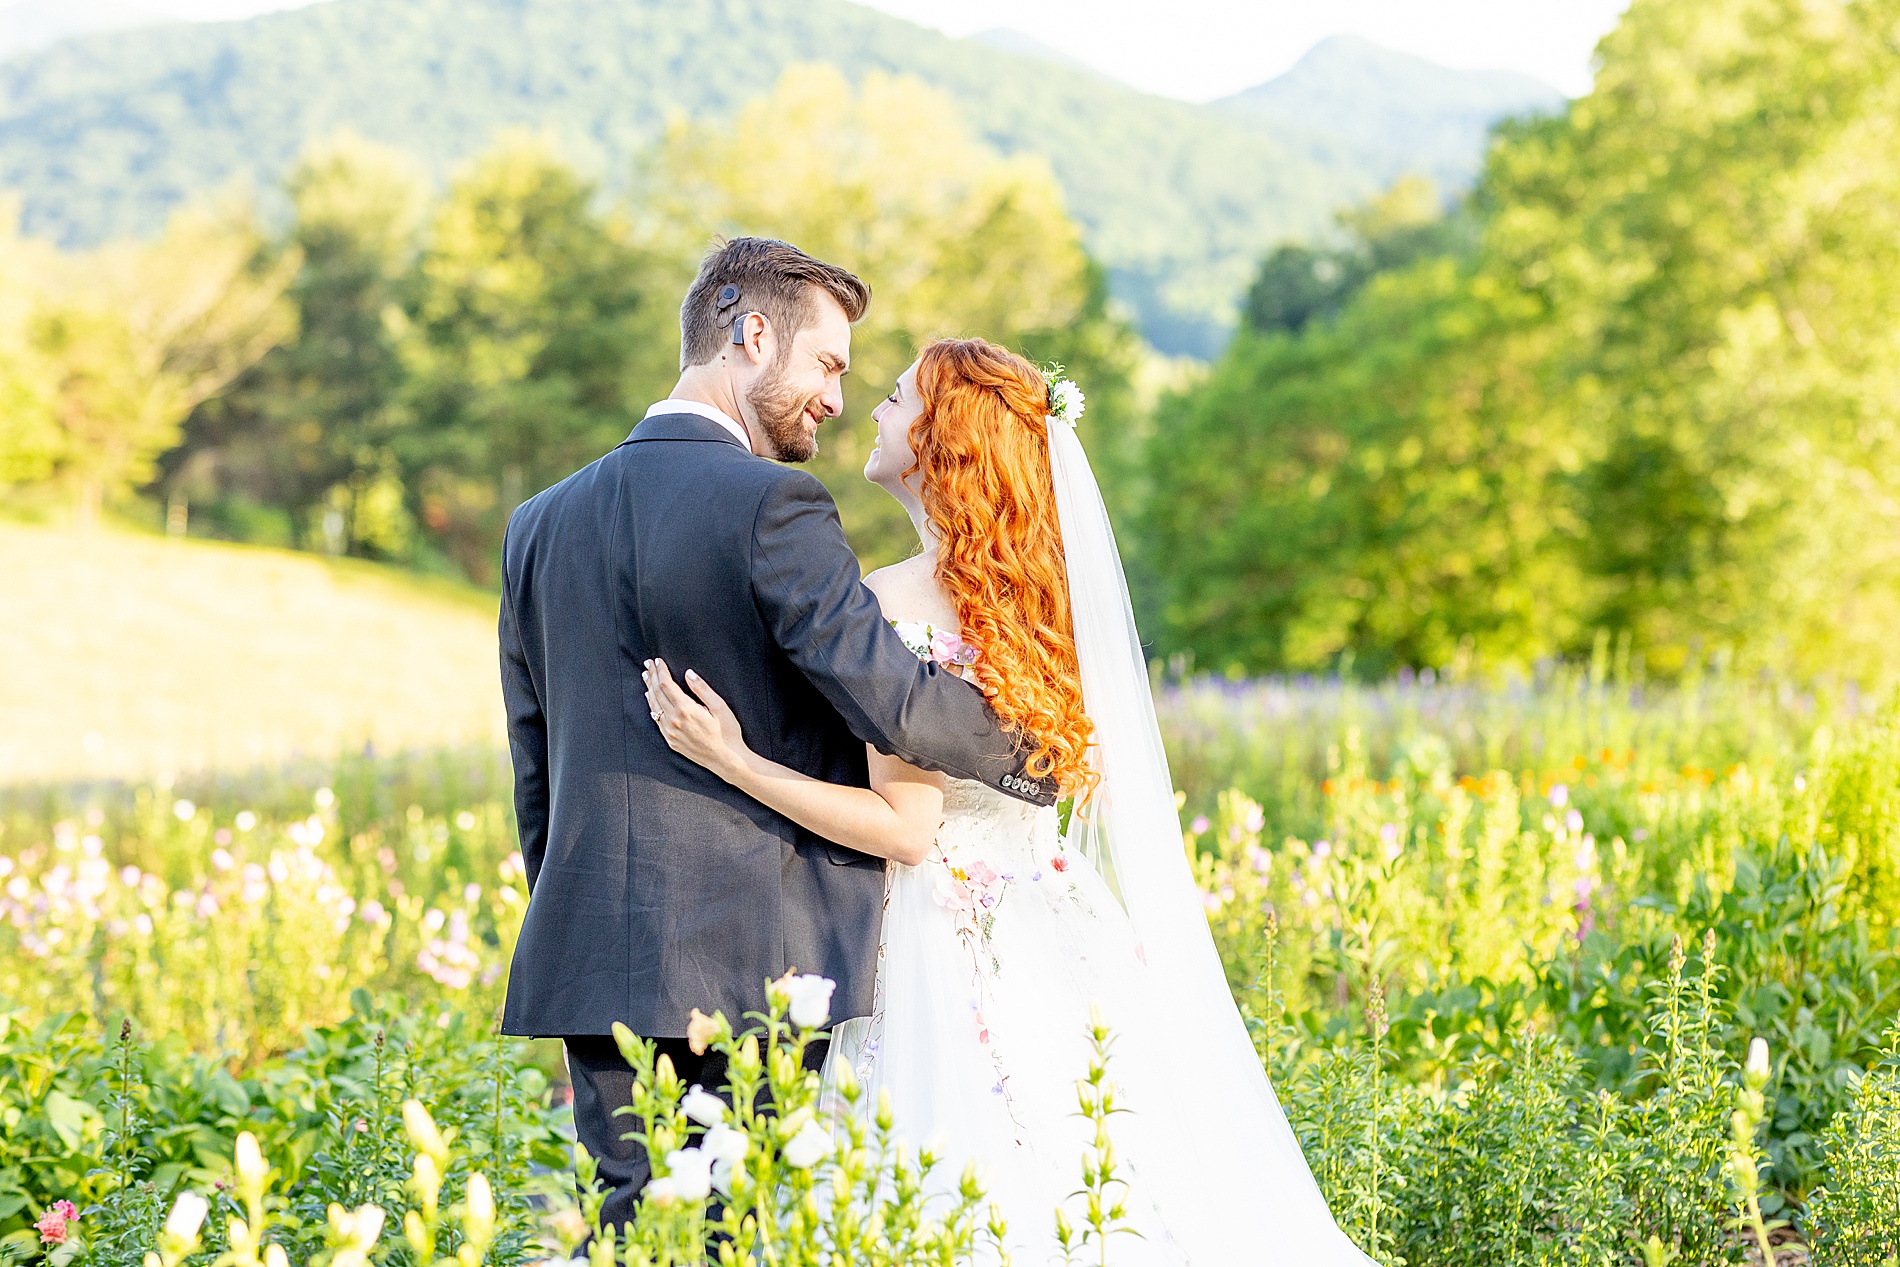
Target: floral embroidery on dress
[971, 891]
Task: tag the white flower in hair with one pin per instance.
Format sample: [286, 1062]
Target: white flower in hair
[1066, 400]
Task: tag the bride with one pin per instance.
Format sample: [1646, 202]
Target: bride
[1001, 933]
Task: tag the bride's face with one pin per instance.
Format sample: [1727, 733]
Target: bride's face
[893, 456]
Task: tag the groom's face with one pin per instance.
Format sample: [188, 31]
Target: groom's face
[797, 386]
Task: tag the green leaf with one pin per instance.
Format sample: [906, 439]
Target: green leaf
[68, 1117]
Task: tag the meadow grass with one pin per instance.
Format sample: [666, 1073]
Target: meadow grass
[126, 655]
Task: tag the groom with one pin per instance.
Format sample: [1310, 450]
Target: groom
[656, 888]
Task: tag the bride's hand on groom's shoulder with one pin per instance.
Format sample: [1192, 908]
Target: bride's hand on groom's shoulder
[695, 721]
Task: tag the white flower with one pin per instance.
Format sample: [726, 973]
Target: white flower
[480, 1208]
[808, 999]
[251, 1169]
[187, 1216]
[1066, 401]
[703, 1106]
[662, 1191]
[184, 811]
[690, 1169]
[1758, 1057]
[723, 1143]
[246, 820]
[806, 1148]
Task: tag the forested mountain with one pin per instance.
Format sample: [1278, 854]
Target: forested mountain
[1388, 113]
[104, 134]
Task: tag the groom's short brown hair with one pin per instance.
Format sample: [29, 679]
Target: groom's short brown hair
[774, 279]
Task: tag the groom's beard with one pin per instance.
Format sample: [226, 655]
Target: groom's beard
[781, 413]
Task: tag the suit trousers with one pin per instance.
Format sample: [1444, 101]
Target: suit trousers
[603, 1082]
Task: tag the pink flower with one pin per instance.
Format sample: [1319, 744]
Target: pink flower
[52, 1224]
[952, 894]
[982, 874]
[1059, 862]
[952, 651]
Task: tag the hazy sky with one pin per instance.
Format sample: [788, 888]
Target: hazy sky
[1201, 49]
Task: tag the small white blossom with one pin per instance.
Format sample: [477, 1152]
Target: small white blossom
[690, 1169]
[1758, 1057]
[251, 1169]
[809, 1146]
[808, 999]
[187, 1216]
[662, 1191]
[725, 1144]
[704, 1107]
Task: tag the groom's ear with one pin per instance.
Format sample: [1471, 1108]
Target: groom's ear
[753, 333]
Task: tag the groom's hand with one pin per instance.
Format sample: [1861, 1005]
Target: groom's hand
[700, 726]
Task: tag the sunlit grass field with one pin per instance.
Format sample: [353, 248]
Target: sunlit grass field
[124, 655]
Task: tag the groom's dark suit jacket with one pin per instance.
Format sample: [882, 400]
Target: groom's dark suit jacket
[656, 887]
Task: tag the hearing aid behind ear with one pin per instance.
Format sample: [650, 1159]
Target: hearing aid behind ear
[728, 296]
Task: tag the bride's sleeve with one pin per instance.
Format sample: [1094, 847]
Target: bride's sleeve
[805, 580]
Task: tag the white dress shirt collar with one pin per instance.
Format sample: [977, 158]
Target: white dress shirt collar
[674, 405]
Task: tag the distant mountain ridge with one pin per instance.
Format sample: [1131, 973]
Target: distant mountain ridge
[1397, 113]
[103, 134]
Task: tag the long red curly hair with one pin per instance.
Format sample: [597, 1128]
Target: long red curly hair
[982, 447]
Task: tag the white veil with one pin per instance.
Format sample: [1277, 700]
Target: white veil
[1130, 828]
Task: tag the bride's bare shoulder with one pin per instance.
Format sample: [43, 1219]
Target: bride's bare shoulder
[909, 591]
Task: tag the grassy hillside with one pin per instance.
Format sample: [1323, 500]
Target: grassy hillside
[127, 655]
[102, 135]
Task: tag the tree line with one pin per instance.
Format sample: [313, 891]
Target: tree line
[394, 368]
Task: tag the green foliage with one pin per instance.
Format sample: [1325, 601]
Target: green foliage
[308, 429]
[1654, 400]
[114, 349]
[1856, 1211]
[1298, 284]
[534, 325]
[119, 1129]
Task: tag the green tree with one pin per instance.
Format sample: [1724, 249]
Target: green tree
[306, 432]
[535, 331]
[1299, 283]
[1657, 398]
[134, 336]
[29, 435]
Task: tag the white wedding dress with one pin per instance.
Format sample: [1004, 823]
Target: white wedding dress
[994, 949]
